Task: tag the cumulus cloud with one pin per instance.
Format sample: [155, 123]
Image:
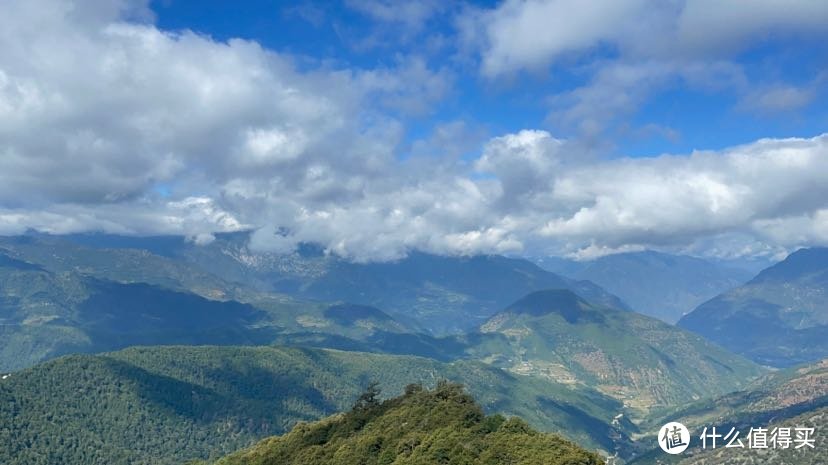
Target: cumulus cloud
[99, 109]
[108, 123]
[713, 27]
[527, 34]
[520, 196]
[673, 199]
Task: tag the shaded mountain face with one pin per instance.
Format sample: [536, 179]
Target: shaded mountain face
[168, 405]
[657, 284]
[45, 314]
[436, 293]
[444, 425]
[58, 298]
[637, 359]
[562, 302]
[779, 318]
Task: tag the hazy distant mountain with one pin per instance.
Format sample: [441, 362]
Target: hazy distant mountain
[441, 294]
[779, 318]
[71, 299]
[657, 284]
[436, 293]
[166, 405]
[636, 358]
[44, 314]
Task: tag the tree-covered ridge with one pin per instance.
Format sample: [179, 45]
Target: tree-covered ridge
[440, 426]
[166, 405]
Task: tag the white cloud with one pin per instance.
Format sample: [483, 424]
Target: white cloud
[528, 200]
[626, 51]
[715, 27]
[531, 33]
[778, 98]
[118, 126]
[528, 34]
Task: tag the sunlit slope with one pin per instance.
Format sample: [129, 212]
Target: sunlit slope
[632, 357]
[421, 427]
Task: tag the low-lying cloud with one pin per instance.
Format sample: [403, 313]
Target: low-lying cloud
[114, 125]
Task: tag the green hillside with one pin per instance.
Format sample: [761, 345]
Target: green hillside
[436, 293]
[788, 398]
[784, 393]
[119, 264]
[164, 405]
[780, 318]
[443, 425]
[640, 360]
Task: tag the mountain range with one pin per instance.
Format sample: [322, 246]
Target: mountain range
[779, 318]
[156, 299]
[439, 293]
[794, 397]
[234, 345]
[657, 284]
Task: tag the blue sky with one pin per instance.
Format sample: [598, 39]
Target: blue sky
[347, 35]
[373, 128]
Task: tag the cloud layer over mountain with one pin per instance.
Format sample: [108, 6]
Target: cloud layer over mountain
[109, 123]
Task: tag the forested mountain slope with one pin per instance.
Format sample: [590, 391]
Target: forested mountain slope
[165, 405]
[443, 425]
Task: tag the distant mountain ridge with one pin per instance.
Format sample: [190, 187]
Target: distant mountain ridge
[58, 298]
[779, 318]
[561, 301]
[440, 294]
[657, 284]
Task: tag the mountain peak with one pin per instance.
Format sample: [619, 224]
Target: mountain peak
[798, 264]
[561, 301]
[443, 425]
